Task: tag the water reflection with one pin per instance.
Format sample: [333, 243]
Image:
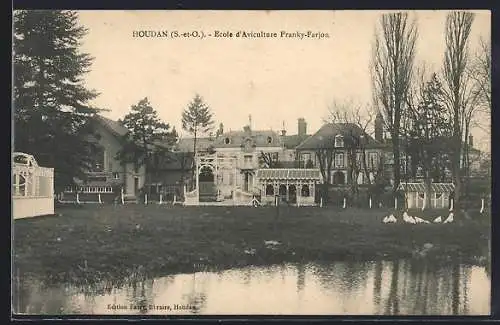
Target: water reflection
[405, 287]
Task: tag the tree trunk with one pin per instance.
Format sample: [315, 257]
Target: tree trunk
[396, 166]
[194, 170]
[465, 159]
[365, 167]
[427, 182]
[457, 179]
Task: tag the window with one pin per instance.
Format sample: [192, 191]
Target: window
[248, 159]
[361, 178]
[339, 141]
[269, 140]
[269, 190]
[372, 160]
[338, 178]
[116, 175]
[305, 190]
[98, 159]
[304, 159]
[227, 141]
[339, 160]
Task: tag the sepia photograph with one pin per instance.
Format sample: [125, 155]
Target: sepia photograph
[190, 162]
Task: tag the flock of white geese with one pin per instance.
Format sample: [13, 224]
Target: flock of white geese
[414, 220]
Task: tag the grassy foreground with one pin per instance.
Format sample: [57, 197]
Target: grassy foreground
[98, 242]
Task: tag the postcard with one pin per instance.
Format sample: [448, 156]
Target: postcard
[176, 162]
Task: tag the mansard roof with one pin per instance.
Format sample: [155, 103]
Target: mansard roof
[325, 136]
[235, 139]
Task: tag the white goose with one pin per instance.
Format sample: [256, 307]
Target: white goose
[450, 218]
[389, 219]
[408, 219]
[438, 220]
[420, 220]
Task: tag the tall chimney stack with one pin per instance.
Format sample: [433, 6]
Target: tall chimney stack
[302, 127]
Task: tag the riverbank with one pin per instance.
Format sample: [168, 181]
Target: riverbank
[98, 242]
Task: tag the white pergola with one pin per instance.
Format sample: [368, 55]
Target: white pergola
[219, 165]
[32, 187]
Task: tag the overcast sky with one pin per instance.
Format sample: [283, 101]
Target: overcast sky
[271, 79]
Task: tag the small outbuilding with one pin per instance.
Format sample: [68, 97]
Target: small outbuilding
[296, 186]
[415, 194]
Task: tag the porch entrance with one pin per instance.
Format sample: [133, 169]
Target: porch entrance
[207, 187]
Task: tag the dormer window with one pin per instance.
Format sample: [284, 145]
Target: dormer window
[227, 141]
[269, 140]
[339, 141]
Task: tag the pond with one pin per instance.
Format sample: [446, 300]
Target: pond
[405, 287]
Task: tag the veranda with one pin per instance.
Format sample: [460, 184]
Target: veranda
[294, 186]
[32, 187]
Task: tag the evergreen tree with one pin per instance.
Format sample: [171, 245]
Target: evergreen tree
[197, 119]
[51, 109]
[430, 133]
[148, 138]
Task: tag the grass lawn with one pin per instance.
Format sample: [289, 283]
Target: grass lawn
[105, 241]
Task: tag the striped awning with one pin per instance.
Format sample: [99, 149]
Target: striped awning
[420, 187]
[288, 174]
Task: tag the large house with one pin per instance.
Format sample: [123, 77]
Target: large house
[330, 147]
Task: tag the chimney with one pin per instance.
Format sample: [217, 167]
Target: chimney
[283, 131]
[471, 143]
[302, 127]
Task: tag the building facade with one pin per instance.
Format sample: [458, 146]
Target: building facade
[107, 176]
[333, 149]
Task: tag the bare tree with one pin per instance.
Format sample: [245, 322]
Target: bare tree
[392, 71]
[357, 118]
[481, 72]
[269, 159]
[457, 86]
[325, 152]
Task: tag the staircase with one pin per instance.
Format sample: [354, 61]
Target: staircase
[241, 197]
[130, 198]
[208, 192]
